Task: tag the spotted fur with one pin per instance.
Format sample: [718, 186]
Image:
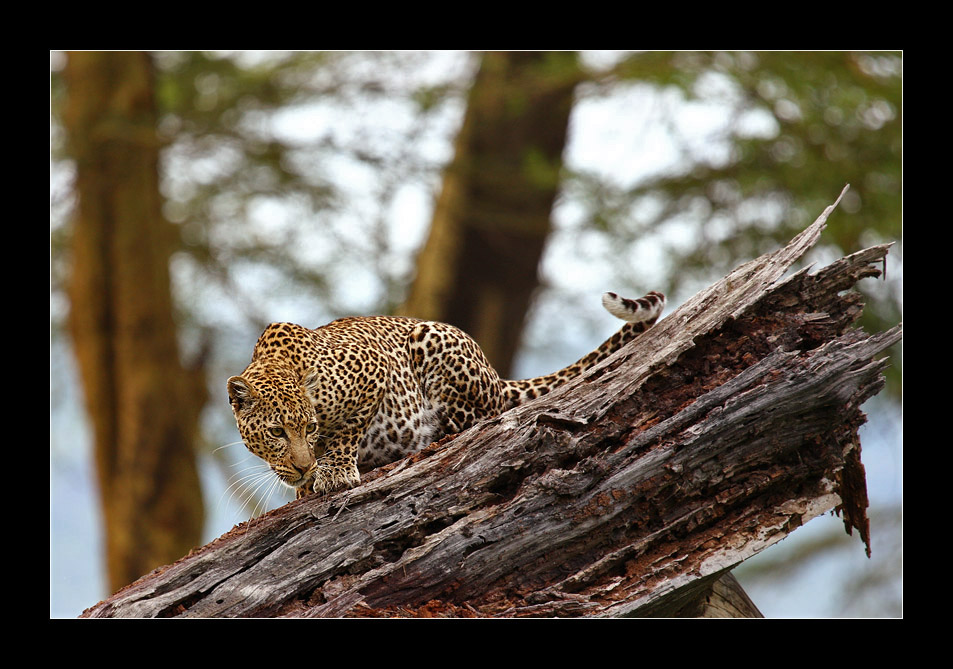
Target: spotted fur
[319, 406]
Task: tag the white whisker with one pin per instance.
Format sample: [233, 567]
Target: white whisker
[242, 484]
[234, 443]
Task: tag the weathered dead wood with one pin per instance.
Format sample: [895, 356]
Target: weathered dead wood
[630, 491]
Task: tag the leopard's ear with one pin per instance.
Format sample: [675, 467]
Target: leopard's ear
[310, 381]
[240, 394]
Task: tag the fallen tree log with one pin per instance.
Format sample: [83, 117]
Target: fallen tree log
[632, 490]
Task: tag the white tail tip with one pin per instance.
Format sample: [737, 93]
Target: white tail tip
[644, 309]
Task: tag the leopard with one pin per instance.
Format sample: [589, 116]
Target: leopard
[322, 406]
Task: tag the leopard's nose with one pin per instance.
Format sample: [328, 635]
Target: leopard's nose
[301, 457]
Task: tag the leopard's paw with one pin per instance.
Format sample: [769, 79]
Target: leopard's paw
[334, 479]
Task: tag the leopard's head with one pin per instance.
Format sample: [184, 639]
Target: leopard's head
[277, 422]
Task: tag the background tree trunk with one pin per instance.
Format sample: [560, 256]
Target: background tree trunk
[478, 268]
[631, 490]
[142, 403]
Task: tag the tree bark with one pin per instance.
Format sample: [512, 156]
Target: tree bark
[630, 491]
[478, 269]
[142, 403]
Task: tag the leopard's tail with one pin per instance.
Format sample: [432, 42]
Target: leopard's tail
[639, 315]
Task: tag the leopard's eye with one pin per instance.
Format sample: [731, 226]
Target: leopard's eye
[277, 431]
[311, 428]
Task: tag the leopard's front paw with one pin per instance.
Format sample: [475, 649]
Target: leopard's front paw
[333, 479]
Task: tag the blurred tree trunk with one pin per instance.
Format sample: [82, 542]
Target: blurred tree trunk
[142, 403]
[478, 268]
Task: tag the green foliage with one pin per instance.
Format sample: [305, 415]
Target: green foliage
[287, 166]
[797, 127]
[833, 118]
[273, 170]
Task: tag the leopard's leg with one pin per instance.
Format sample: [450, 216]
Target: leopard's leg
[337, 469]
